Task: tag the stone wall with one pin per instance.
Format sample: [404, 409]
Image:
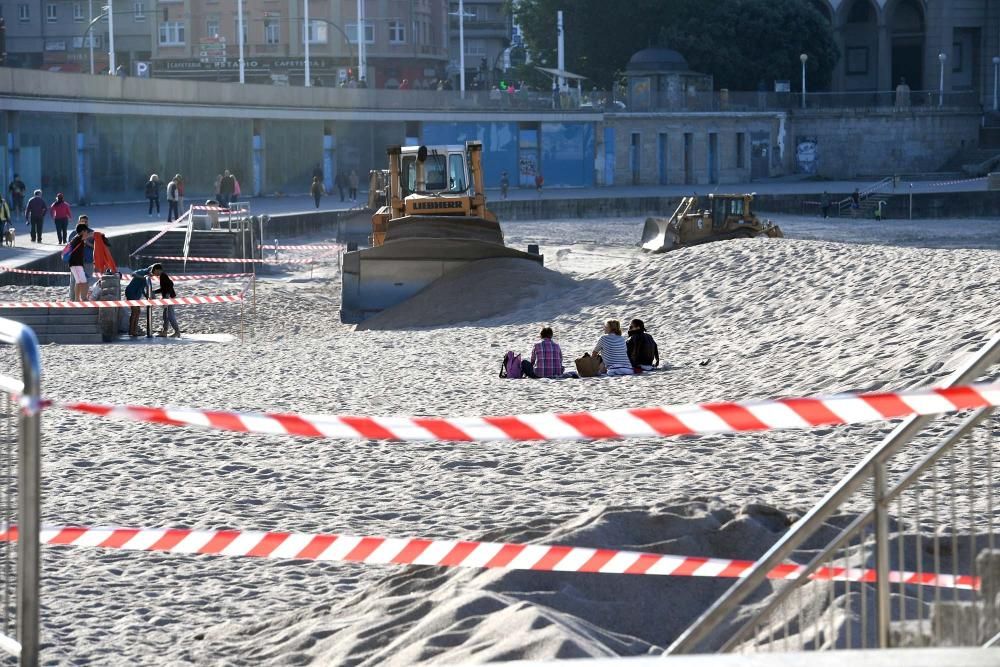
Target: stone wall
[859, 143]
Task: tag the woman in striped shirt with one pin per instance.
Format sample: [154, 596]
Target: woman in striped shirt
[614, 353]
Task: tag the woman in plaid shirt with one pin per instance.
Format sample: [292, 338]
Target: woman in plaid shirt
[546, 357]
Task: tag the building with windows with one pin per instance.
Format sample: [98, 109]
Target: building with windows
[403, 39]
[929, 43]
[487, 35]
[59, 35]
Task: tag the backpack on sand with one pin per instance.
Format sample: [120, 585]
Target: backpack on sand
[510, 367]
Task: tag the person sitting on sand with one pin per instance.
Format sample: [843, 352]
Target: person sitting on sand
[546, 358]
[137, 290]
[614, 353]
[642, 350]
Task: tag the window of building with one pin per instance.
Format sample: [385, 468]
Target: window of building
[397, 32]
[475, 47]
[246, 29]
[272, 30]
[352, 33]
[741, 142]
[212, 26]
[85, 42]
[139, 10]
[318, 31]
[51, 12]
[172, 33]
[77, 11]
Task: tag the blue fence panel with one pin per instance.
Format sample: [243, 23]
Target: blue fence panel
[568, 154]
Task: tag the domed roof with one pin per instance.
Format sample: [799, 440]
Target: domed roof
[657, 59]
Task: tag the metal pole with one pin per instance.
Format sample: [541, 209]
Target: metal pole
[911, 201]
[29, 482]
[239, 39]
[996, 80]
[149, 309]
[362, 55]
[941, 58]
[90, 38]
[881, 557]
[561, 51]
[305, 38]
[803, 85]
[111, 39]
[461, 46]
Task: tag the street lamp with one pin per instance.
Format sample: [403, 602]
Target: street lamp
[305, 38]
[111, 38]
[461, 45]
[942, 57]
[804, 57]
[239, 39]
[996, 79]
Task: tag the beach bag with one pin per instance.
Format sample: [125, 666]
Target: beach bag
[510, 367]
[588, 366]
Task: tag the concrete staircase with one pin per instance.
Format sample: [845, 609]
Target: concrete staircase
[65, 326]
[203, 244]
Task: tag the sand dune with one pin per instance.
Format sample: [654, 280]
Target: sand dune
[780, 317]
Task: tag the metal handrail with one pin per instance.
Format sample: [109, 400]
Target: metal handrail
[867, 192]
[28, 488]
[871, 467]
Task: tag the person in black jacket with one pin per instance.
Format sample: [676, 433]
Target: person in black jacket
[642, 350]
[153, 194]
[166, 291]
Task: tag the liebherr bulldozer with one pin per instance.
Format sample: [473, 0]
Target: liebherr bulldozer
[728, 217]
[433, 219]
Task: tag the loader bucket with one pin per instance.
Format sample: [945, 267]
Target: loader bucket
[656, 236]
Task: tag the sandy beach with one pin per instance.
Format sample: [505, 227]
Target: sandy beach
[784, 317]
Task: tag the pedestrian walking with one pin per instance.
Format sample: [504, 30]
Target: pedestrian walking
[17, 188]
[353, 180]
[316, 190]
[504, 184]
[824, 204]
[166, 291]
[217, 188]
[340, 180]
[227, 188]
[34, 215]
[173, 198]
[6, 224]
[61, 214]
[539, 182]
[153, 194]
[180, 192]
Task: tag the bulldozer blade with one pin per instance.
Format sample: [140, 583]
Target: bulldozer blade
[656, 236]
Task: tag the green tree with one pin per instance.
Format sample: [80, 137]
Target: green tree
[739, 42]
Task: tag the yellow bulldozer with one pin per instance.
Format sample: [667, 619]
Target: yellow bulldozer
[432, 218]
[727, 217]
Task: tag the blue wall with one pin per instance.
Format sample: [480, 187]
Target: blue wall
[499, 145]
[567, 149]
[568, 154]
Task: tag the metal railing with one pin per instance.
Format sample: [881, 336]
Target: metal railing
[20, 497]
[887, 183]
[948, 520]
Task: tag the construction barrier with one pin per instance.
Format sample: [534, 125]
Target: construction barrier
[183, 301]
[448, 553]
[706, 418]
[234, 260]
[300, 247]
[11, 269]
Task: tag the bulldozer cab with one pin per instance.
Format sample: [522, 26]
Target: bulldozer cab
[729, 208]
[441, 171]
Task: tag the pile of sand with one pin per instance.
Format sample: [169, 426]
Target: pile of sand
[476, 291]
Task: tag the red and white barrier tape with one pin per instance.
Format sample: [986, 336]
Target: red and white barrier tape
[183, 301]
[957, 182]
[171, 225]
[234, 260]
[220, 209]
[300, 247]
[207, 276]
[448, 553]
[11, 269]
[784, 413]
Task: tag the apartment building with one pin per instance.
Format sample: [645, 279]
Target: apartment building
[487, 34]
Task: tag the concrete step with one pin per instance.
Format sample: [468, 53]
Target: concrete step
[52, 329]
[71, 339]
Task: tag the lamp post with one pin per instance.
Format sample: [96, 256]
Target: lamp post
[996, 80]
[942, 57]
[461, 45]
[111, 39]
[305, 38]
[362, 48]
[239, 39]
[803, 58]
[90, 40]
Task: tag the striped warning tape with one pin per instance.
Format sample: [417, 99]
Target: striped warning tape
[183, 301]
[234, 260]
[705, 418]
[957, 182]
[448, 553]
[207, 276]
[11, 269]
[300, 247]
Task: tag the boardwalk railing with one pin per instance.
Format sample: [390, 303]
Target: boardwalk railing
[20, 496]
[936, 516]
